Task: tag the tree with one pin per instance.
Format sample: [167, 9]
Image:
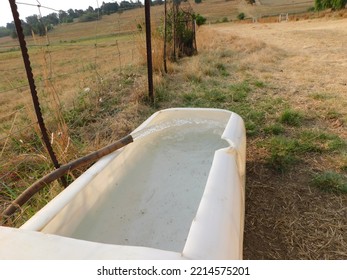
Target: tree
[241, 16]
[35, 25]
[90, 9]
[109, 8]
[51, 19]
[72, 13]
[11, 26]
[88, 17]
[125, 5]
[13, 32]
[4, 31]
[79, 12]
[199, 19]
[63, 16]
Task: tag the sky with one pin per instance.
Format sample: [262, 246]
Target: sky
[24, 10]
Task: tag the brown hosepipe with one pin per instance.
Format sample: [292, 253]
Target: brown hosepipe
[63, 170]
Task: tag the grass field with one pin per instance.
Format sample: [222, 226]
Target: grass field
[284, 80]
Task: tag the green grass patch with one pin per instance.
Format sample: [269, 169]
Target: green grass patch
[320, 96]
[291, 117]
[193, 99]
[330, 181]
[214, 97]
[8, 192]
[162, 93]
[222, 69]
[343, 162]
[285, 152]
[252, 129]
[240, 91]
[322, 141]
[274, 129]
[271, 105]
[256, 116]
[334, 115]
[282, 153]
[259, 84]
[194, 78]
[254, 120]
[26, 143]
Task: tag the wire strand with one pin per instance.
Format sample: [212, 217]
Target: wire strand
[37, 5]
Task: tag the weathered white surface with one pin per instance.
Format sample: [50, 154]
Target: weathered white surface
[160, 191]
[217, 230]
[20, 244]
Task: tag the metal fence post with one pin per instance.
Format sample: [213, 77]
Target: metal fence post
[149, 49]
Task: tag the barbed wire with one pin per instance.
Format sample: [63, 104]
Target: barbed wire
[12, 89]
[12, 69]
[96, 39]
[9, 46]
[59, 76]
[37, 5]
[64, 45]
[19, 130]
[25, 156]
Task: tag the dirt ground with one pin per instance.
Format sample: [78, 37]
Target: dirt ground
[285, 217]
[318, 45]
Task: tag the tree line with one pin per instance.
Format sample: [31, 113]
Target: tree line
[41, 25]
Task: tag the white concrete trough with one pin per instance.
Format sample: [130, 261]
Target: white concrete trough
[176, 192]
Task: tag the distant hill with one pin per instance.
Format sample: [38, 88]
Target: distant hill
[213, 10]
